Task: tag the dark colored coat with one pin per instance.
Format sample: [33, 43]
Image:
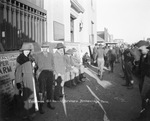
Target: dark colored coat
[24, 76]
[144, 66]
[111, 55]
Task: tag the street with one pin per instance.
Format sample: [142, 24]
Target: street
[96, 100]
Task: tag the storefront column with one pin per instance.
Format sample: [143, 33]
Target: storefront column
[9, 30]
[30, 24]
[18, 17]
[3, 30]
[38, 25]
[5, 11]
[19, 37]
[41, 27]
[14, 26]
[9, 12]
[14, 15]
[45, 26]
[26, 17]
[23, 19]
[43, 23]
[33, 24]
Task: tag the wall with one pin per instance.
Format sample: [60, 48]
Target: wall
[59, 11]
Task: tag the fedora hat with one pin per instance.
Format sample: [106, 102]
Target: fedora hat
[59, 46]
[27, 46]
[45, 45]
[74, 50]
[142, 43]
[69, 51]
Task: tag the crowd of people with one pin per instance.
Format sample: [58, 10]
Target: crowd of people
[135, 62]
[41, 77]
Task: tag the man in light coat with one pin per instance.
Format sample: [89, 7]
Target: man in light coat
[60, 69]
[45, 76]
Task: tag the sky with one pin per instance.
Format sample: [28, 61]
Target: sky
[124, 19]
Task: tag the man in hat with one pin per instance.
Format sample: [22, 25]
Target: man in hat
[95, 53]
[69, 69]
[78, 68]
[127, 64]
[45, 75]
[143, 46]
[100, 60]
[144, 68]
[60, 69]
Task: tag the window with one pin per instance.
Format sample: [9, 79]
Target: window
[58, 31]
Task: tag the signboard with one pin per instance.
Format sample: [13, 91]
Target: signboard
[7, 69]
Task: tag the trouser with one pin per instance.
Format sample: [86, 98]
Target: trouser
[69, 78]
[128, 72]
[100, 62]
[59, 88]
[141, 82]
[111, 64]
[46, 84]
[145, 111]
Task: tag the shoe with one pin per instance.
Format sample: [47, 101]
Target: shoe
[73, 83]
[130, 87]
[56, 98]
[125, 85]
[41, 109]
[122, 77]
[83, 80]
[98, 75]
[101, 77]
[78, 81]
[50, 106]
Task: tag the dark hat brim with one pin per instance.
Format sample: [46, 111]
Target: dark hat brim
[142, 43]
[60, 46]
[148, 47]
[25, 49]
[69, 51]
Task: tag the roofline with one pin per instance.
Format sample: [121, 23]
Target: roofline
[77, 6]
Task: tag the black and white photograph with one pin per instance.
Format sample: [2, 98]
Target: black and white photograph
[74, 60]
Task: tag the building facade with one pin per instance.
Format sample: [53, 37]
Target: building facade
[22, 21]
[105, 35]
[72, 22]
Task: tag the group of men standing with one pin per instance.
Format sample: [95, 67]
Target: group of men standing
[135, 61]
[46, 76]
[104, 56]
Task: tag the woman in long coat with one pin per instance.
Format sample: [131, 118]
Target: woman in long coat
[24, 81]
